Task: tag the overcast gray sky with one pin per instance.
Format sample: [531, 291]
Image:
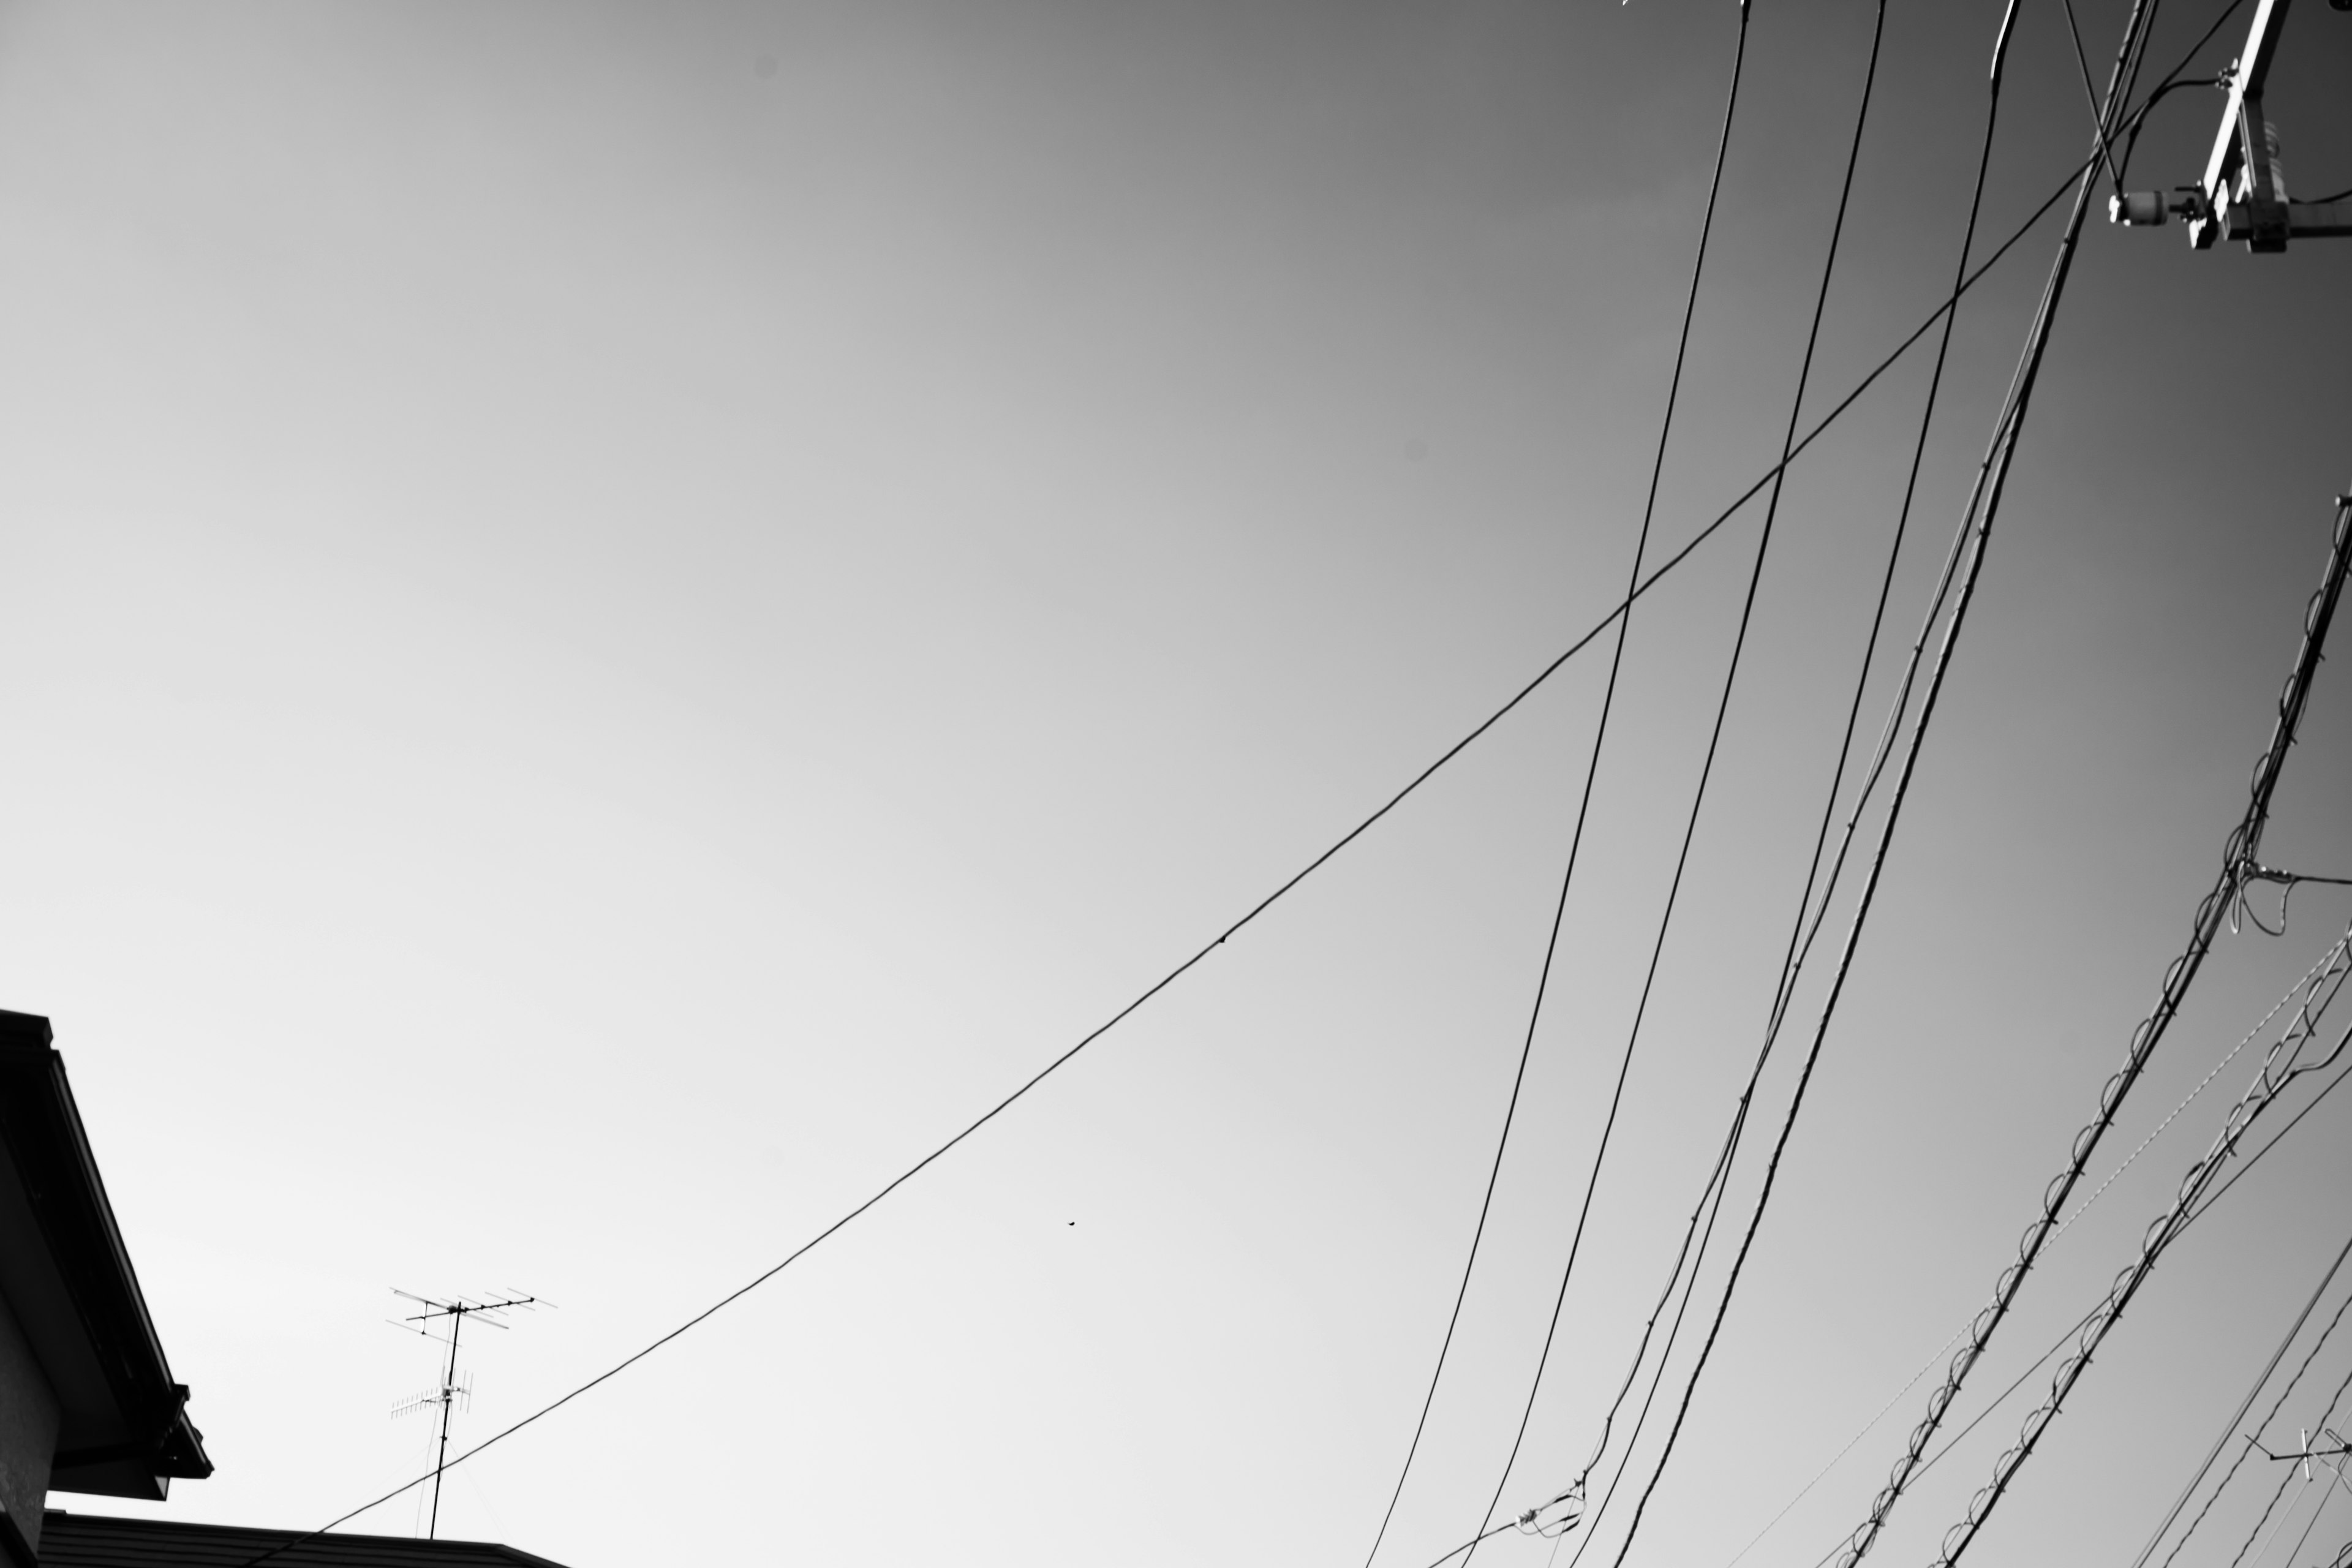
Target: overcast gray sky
[619, 617]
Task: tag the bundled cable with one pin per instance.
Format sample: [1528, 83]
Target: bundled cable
[2239, 855]
[1992, 477]
[2282, 1065]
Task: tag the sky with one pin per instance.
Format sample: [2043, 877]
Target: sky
[621, 617]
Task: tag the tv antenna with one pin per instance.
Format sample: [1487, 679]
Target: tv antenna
[452, 1392]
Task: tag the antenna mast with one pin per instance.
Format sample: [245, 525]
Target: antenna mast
[457, 1310]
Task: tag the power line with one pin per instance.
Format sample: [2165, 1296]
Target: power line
[2328, 1416]
[2203, 1207]
[2239, 855]
[1713, 741]
[1929, 1364]
[2139, 116]
[2090, 95]
[1991, 483]
[1800, 938]
[1688, 548]
[2280, 1067]
[2327, 1495]
[1583, 809]
[2230, 1427]
[1657, 1376]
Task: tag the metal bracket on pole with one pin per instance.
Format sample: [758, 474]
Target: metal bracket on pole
[2242, 196]
[2242, 171]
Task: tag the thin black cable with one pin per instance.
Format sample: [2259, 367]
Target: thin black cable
[2251, 1159]
[2320, 201]
[1800, 941]
[2323, 1419]
[2084, 1321]
[1960, 1436]
[1528, 690]
[1470, 1545]
[1583, 811]
[2131, 137]
[2253, 1392]
[2276, 1405]
[2327, 1495]
[2173, 78]
[2090, 96]
[1657, 1374]
[1714, 742]
[2244, 1168]
[1992, 482]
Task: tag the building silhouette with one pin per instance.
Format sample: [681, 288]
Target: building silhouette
[87, 1403]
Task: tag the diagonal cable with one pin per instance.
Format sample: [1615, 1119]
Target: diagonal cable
[1583, 810]
[1793, 961]
[1509, 705]
[1707, 767]
[1992, 479]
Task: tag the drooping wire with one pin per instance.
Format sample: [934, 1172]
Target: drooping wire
[1800, 938]
[1657, 1374]
[1713, 1191]
[2280, 1067]
[1714, 742]
[2239, 1415]
[2328, 1416]
[1583, 810]
[1985, 505]
[1929, 1365]
[2080, 169]
[1509, 705]
[2327, 1495]
[2286, 882]
[2204, 1206]
[2138, 117]
[2091, 96]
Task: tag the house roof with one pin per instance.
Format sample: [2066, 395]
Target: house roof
[97, 1540]
[122, 1427]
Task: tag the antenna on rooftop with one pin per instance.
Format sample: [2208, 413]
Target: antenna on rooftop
[452, 1391]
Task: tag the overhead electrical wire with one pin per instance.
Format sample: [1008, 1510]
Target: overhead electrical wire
[1713, 741]
[2325, 1418]
[2280, 1067]
[2327, 1495]
[2113, 1176]
[2203, 1207]
[1985, 505]
[1800, 938]
[2242, 852]
[1511, 704]
[2091, 95]
[2229, 1428]
[2174, 79]
[1583, 806]
[1711, 1204]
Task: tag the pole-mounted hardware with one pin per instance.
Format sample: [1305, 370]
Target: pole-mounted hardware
[2243, 195]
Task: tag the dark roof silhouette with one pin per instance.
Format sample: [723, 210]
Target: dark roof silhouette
[66, 1276]
[97, 1540]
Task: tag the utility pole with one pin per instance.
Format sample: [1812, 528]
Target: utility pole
[457, 1312]
[2243, 194]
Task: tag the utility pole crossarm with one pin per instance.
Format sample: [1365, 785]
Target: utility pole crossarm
[2242, 144]
[2242, 193]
